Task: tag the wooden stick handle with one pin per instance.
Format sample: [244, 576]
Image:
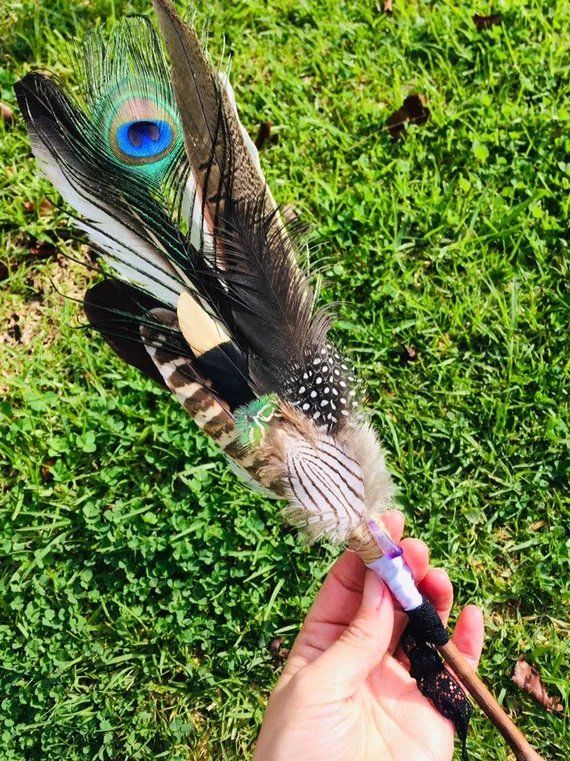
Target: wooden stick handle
[485, 700]
[364, 544]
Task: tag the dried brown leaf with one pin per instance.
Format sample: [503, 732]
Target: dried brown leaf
[41, 249]
[279, 653]
[45, 208]
[537, 525]
[275, 645]
[263, 134]
[13, 329]
[527, 677]
[408, 354]
[413, 110]
[46, 470]
[486, 22]
[6, 114]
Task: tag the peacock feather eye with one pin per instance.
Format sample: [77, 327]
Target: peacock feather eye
[142, 130]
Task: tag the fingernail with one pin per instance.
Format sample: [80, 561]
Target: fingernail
[373, 591]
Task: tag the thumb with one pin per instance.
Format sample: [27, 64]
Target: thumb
[346, 664]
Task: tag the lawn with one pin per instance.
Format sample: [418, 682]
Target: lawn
[141, 586]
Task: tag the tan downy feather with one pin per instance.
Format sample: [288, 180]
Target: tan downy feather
[345, 519]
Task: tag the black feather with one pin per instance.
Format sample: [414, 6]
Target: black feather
[226, 367]
[272, 305]
[115, 310]
[118, 312]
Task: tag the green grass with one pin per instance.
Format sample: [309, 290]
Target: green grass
[140, 584]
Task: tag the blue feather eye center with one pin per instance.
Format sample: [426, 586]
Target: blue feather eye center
[144, 139]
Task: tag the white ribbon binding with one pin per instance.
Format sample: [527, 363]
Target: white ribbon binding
[398, 577]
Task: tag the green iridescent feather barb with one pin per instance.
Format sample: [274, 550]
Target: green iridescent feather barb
[203, 293]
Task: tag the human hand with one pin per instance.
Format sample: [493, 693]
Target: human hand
[345, 694]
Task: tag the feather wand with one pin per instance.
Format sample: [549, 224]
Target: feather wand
[203, 293]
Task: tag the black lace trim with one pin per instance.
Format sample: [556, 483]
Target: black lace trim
[423, 633]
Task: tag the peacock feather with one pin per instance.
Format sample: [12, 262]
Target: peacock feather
[129, 95]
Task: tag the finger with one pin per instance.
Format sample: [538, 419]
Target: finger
[469, 633]
[348, 662]
[438, 589]
[336, 603]
[339, 597]
[394, 522]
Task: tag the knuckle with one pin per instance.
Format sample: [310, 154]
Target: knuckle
[359, 633]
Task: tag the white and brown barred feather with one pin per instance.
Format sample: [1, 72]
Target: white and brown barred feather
[205, 293]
